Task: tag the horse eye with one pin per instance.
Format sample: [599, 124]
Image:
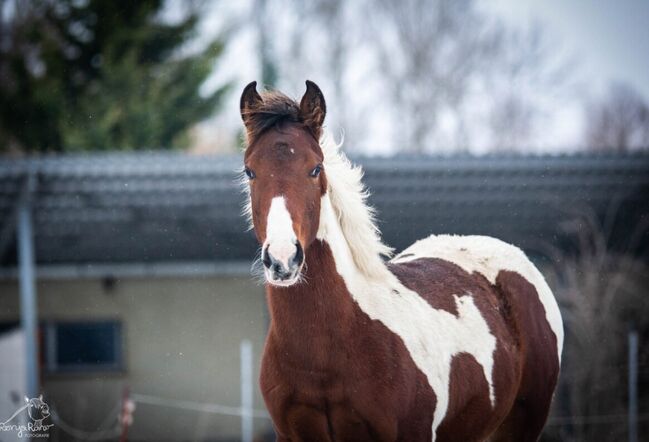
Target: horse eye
[251, 175]
[316, 171]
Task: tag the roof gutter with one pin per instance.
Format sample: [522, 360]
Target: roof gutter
[134, 270]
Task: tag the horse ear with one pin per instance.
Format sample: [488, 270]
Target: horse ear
[26, 399]
[40, 397]
[250, 99]
[313, 109]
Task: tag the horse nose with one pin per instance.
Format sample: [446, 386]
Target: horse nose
[283, 267]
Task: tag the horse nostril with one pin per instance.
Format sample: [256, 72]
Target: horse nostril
[265, 258]
[299, 254]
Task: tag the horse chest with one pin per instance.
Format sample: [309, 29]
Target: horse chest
[383, 363]
[361, 387]
[339, 364]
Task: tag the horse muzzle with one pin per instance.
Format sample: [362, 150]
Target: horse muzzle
[282, 263]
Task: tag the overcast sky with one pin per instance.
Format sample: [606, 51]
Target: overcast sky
[610, 37]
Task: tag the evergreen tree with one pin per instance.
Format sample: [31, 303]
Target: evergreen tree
[100, 74]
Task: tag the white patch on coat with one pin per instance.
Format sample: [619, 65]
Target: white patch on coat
[433, 337]
[280, 236]
[489, 256]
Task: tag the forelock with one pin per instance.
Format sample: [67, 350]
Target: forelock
[274, 111]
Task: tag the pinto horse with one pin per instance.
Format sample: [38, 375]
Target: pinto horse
[457, 338]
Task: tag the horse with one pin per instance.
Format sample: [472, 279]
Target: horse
[456, 338]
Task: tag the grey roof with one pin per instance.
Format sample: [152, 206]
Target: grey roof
[165, 207]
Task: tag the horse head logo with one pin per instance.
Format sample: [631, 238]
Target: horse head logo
[37, 409]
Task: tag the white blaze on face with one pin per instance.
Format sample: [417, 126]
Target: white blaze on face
[280, 236]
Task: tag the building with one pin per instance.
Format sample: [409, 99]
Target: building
[143, 268]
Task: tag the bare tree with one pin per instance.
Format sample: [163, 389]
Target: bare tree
[524, 72]
[413, 69]
[331, 19]
[442, 58]
[314, 43]
[619, 122]
[511, 122]
[267, 60]
[600, 292]
[428, 53]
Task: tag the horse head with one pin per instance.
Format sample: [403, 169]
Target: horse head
[286, 178]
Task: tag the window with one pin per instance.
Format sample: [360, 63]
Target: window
[83, 346]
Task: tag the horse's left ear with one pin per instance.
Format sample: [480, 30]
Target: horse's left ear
[313, 109]
[40, 397]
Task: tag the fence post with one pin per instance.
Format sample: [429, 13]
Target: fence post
[633, 386]
[28, 305]
[246, 391]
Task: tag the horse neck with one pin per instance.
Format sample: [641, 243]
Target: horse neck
[318, 313]
[321, 295]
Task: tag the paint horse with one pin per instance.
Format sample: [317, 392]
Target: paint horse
[457, 338]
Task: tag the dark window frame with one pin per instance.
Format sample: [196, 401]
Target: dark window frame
[50, 347]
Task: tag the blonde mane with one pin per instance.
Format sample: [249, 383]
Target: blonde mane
[348, 198]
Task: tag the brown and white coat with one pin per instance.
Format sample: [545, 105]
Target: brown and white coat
[455, 338]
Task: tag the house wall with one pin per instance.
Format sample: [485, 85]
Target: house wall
[181, 340]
